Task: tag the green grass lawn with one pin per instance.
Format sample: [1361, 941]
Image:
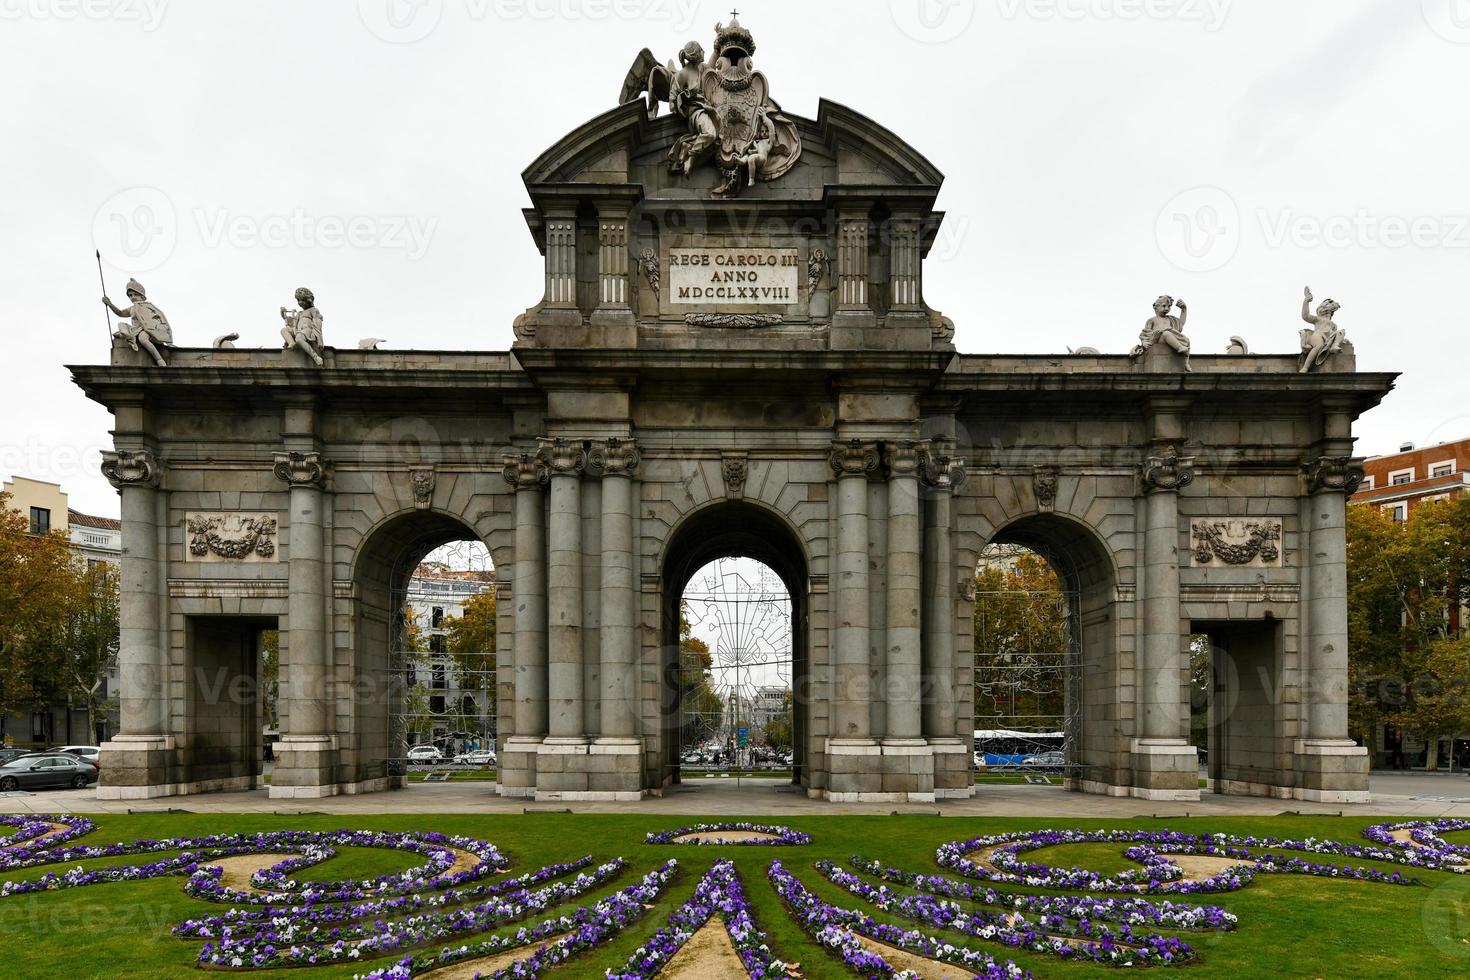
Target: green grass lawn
[1290, 926]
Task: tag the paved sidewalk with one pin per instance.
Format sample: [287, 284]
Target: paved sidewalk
[1394, 794]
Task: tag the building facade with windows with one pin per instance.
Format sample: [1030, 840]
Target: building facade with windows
[451, 700]
[94, 539]
[1401, 481]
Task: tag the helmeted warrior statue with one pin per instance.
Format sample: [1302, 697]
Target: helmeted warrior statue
[303, 328]
[727, 108]
[145, 326]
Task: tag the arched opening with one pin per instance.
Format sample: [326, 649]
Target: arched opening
[424, 691]
[734, 583]
[1044, 653]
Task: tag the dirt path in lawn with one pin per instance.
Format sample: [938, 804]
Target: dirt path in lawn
[923, 967]
[724, 836]
[52, 830]
[1198, 867]
[708, 954]
[486, 965]
[237, 869]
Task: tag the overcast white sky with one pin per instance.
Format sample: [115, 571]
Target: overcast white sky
[1097, 153]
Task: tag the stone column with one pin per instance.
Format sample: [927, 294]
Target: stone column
[1331, 766]
[305, 755]
[612, 260]
[561, 770]
[138, 759]
[852, 755]
[526, 474]
[904, 264]
[616, 756]
[852, 261]
[1164, 764]
[943, 475]
[908, 762]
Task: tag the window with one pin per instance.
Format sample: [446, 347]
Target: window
[436, 704]
[1398, 511]
[40, 520]
[1442, 469]
[440, 682]
[436, 643]
[437, 619]
[1367, 483]
[1399, 477]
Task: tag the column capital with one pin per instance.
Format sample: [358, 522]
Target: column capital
[902, 459]
[300, 469]
[854, 457]
[1166, 473]
[562, 457]
[940, 471]
[131, 468]
[613, 457]
[524, 471]
[1333, 474]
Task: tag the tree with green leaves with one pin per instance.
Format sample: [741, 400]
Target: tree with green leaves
[701, 710]
[1021, 628]
[470, 642]
[777, 731]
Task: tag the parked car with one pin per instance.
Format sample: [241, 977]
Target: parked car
[424, 755]
[46, 769]
[7, 754]
[1045, 760]
[90, 753]
[479, 757]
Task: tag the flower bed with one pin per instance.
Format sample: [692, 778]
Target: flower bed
[1152, 848]
[1135, 911]
[778, 836]
[29, 828]
[588, 927]
[719, 892]
[833, 928]
[1055, 935]
[1424, 842]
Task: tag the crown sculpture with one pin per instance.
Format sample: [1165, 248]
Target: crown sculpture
[726, 105]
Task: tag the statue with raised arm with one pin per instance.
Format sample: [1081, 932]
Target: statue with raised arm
[144, 324]
[1164, 328]
[303, 329]
[1324, 338]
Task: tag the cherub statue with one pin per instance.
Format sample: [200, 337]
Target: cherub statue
[146, 327]
[303, 329]
[1325, 337]
[754, 157]
[1164, 328]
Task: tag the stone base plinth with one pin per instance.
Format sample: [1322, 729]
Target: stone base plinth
[138, 767]
[572, 769]
[1164, 769]
[1331, 771]
[306, 767]
[516, 766]
[865, 771]
[954, 779]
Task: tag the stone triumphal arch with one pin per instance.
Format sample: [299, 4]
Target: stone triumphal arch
[732, 354]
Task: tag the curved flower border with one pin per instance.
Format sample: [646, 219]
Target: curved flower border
[780, 836]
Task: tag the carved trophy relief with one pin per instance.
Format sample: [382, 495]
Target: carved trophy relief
[232, 537]
[1236, 543]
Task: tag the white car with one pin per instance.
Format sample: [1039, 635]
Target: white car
[424, 754]
[479, 757]
[87, 753]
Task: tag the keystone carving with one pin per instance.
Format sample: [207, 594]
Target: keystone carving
[734, 469]
[300, 469]
[612, 457]
[524, 471]
[130, 468]
[422, 480]
[235, 537]
[1166, 473]
[1236, 542]
[1333, 473]
[1044, 480]
[854, 458]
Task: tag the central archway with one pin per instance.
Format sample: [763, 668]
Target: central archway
[733, 529]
